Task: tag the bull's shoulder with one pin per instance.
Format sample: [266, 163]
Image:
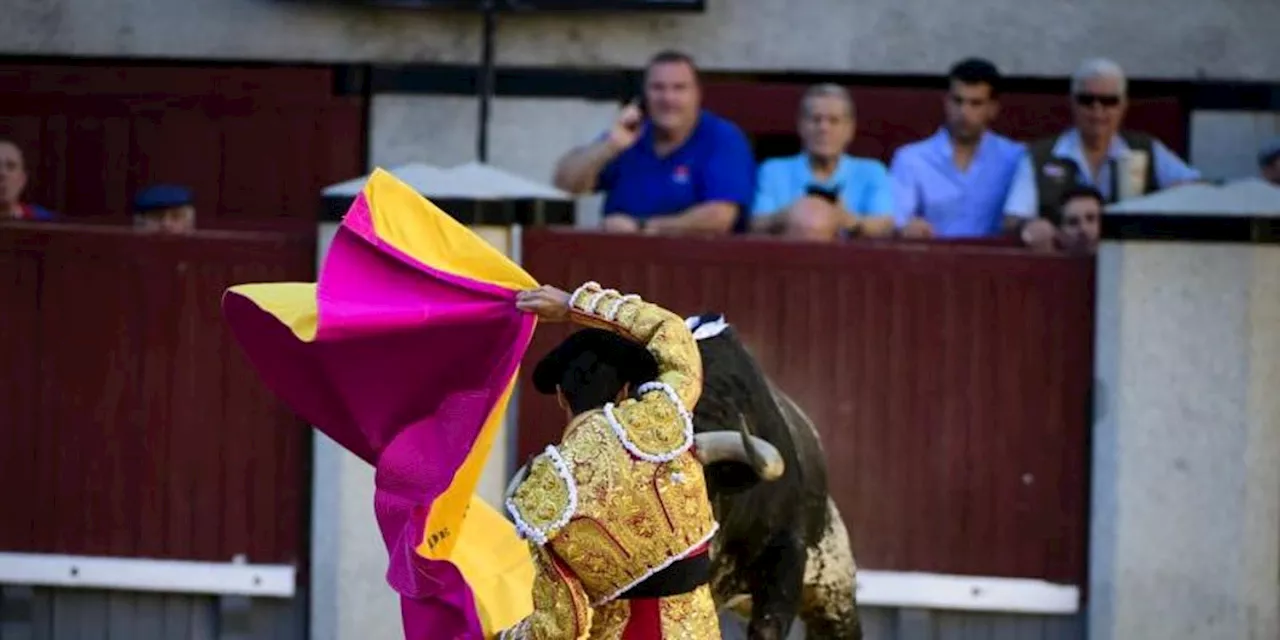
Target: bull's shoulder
[545, 499]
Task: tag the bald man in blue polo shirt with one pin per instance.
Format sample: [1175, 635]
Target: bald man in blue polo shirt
[676, 169]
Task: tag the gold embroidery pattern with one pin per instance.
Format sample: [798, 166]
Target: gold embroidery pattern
[608, 621]
[690, 615]
[560, 608]
[543, 499]
[652, 425]
[633, 516]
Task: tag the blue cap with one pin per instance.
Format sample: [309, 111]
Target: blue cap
[1269, 152]
[161, 196]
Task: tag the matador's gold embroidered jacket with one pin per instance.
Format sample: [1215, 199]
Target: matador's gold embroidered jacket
[622, 496]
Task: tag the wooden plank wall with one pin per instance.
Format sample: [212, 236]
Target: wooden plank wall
[90, 614]
[256, 144]
[950, 381]
[132, 424]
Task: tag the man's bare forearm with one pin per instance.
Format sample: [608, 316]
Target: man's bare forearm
[702, 218]
[579, 169]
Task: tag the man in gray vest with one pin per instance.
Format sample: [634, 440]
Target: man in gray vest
[1096, 152]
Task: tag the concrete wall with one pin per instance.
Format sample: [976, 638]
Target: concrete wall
[526, 135]
[1224, 144]
[1153, 38]
[1186, 506]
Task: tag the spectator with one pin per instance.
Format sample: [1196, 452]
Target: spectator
[1081, 213]
[1269, 161]
[953, 184]
[823, 191]
[13, 180]
[1096, 152]
[666, 165]
[164, 208]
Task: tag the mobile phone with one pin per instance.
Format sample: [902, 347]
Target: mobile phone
[642, 104]
[830, 195]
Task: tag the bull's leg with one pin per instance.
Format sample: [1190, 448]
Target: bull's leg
[830, 607]
[777, 579]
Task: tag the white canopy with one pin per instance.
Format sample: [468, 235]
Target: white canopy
[471, 181]
[1251, 197]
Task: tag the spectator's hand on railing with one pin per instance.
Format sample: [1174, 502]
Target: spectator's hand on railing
[620, 223]
[1040, 234]
[918, 229]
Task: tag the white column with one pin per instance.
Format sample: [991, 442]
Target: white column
[1186, 479]
[350, 598]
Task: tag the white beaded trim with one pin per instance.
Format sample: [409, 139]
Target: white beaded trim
[586, 286]
[611, 313]
[685, 419]
[530, 532]
[715, 526]
[596, 298]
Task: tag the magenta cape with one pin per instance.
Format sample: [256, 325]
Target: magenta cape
[405, 352]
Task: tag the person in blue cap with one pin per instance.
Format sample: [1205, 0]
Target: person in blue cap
[1269, 161]
[165, 208]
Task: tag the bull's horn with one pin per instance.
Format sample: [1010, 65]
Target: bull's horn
[725, 446]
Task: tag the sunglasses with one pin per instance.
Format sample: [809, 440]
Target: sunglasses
[1090, 99]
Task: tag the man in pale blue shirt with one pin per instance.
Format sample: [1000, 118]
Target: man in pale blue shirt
[953, 184]
[1096, 152]
[824, 192]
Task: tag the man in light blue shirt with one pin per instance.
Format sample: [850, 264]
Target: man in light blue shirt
[823, 192]
[953, 184]
[1096, 152]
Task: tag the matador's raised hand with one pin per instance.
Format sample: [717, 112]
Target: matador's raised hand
[547, 302]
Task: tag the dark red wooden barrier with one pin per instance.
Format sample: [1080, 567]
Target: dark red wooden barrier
[950, 381]
[255, 144]
[132, 425]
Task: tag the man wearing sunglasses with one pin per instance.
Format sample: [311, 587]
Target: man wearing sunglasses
[1096, 152]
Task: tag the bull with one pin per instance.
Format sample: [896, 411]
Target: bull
[782, 544]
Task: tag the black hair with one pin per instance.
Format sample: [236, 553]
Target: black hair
[588, 382]
[1081, 191]
[592, 366]
[673, 56]
[976, 71]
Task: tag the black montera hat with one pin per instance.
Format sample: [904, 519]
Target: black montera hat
[634, 363]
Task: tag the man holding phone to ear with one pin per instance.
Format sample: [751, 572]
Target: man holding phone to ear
[670, 168]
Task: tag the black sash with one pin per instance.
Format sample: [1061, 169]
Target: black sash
[681, 577]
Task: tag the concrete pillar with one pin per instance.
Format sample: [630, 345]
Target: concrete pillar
[1186, 477]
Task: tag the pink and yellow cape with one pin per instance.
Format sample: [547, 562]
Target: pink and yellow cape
[405, 353]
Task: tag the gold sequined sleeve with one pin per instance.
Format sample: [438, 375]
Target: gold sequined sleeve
[663, 333]
[561, 610]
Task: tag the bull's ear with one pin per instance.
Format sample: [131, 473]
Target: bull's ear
[727, 477]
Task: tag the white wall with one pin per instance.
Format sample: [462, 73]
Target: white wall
[1224, 144]
[526, 135]
[1186, 479]
[1153, 38]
